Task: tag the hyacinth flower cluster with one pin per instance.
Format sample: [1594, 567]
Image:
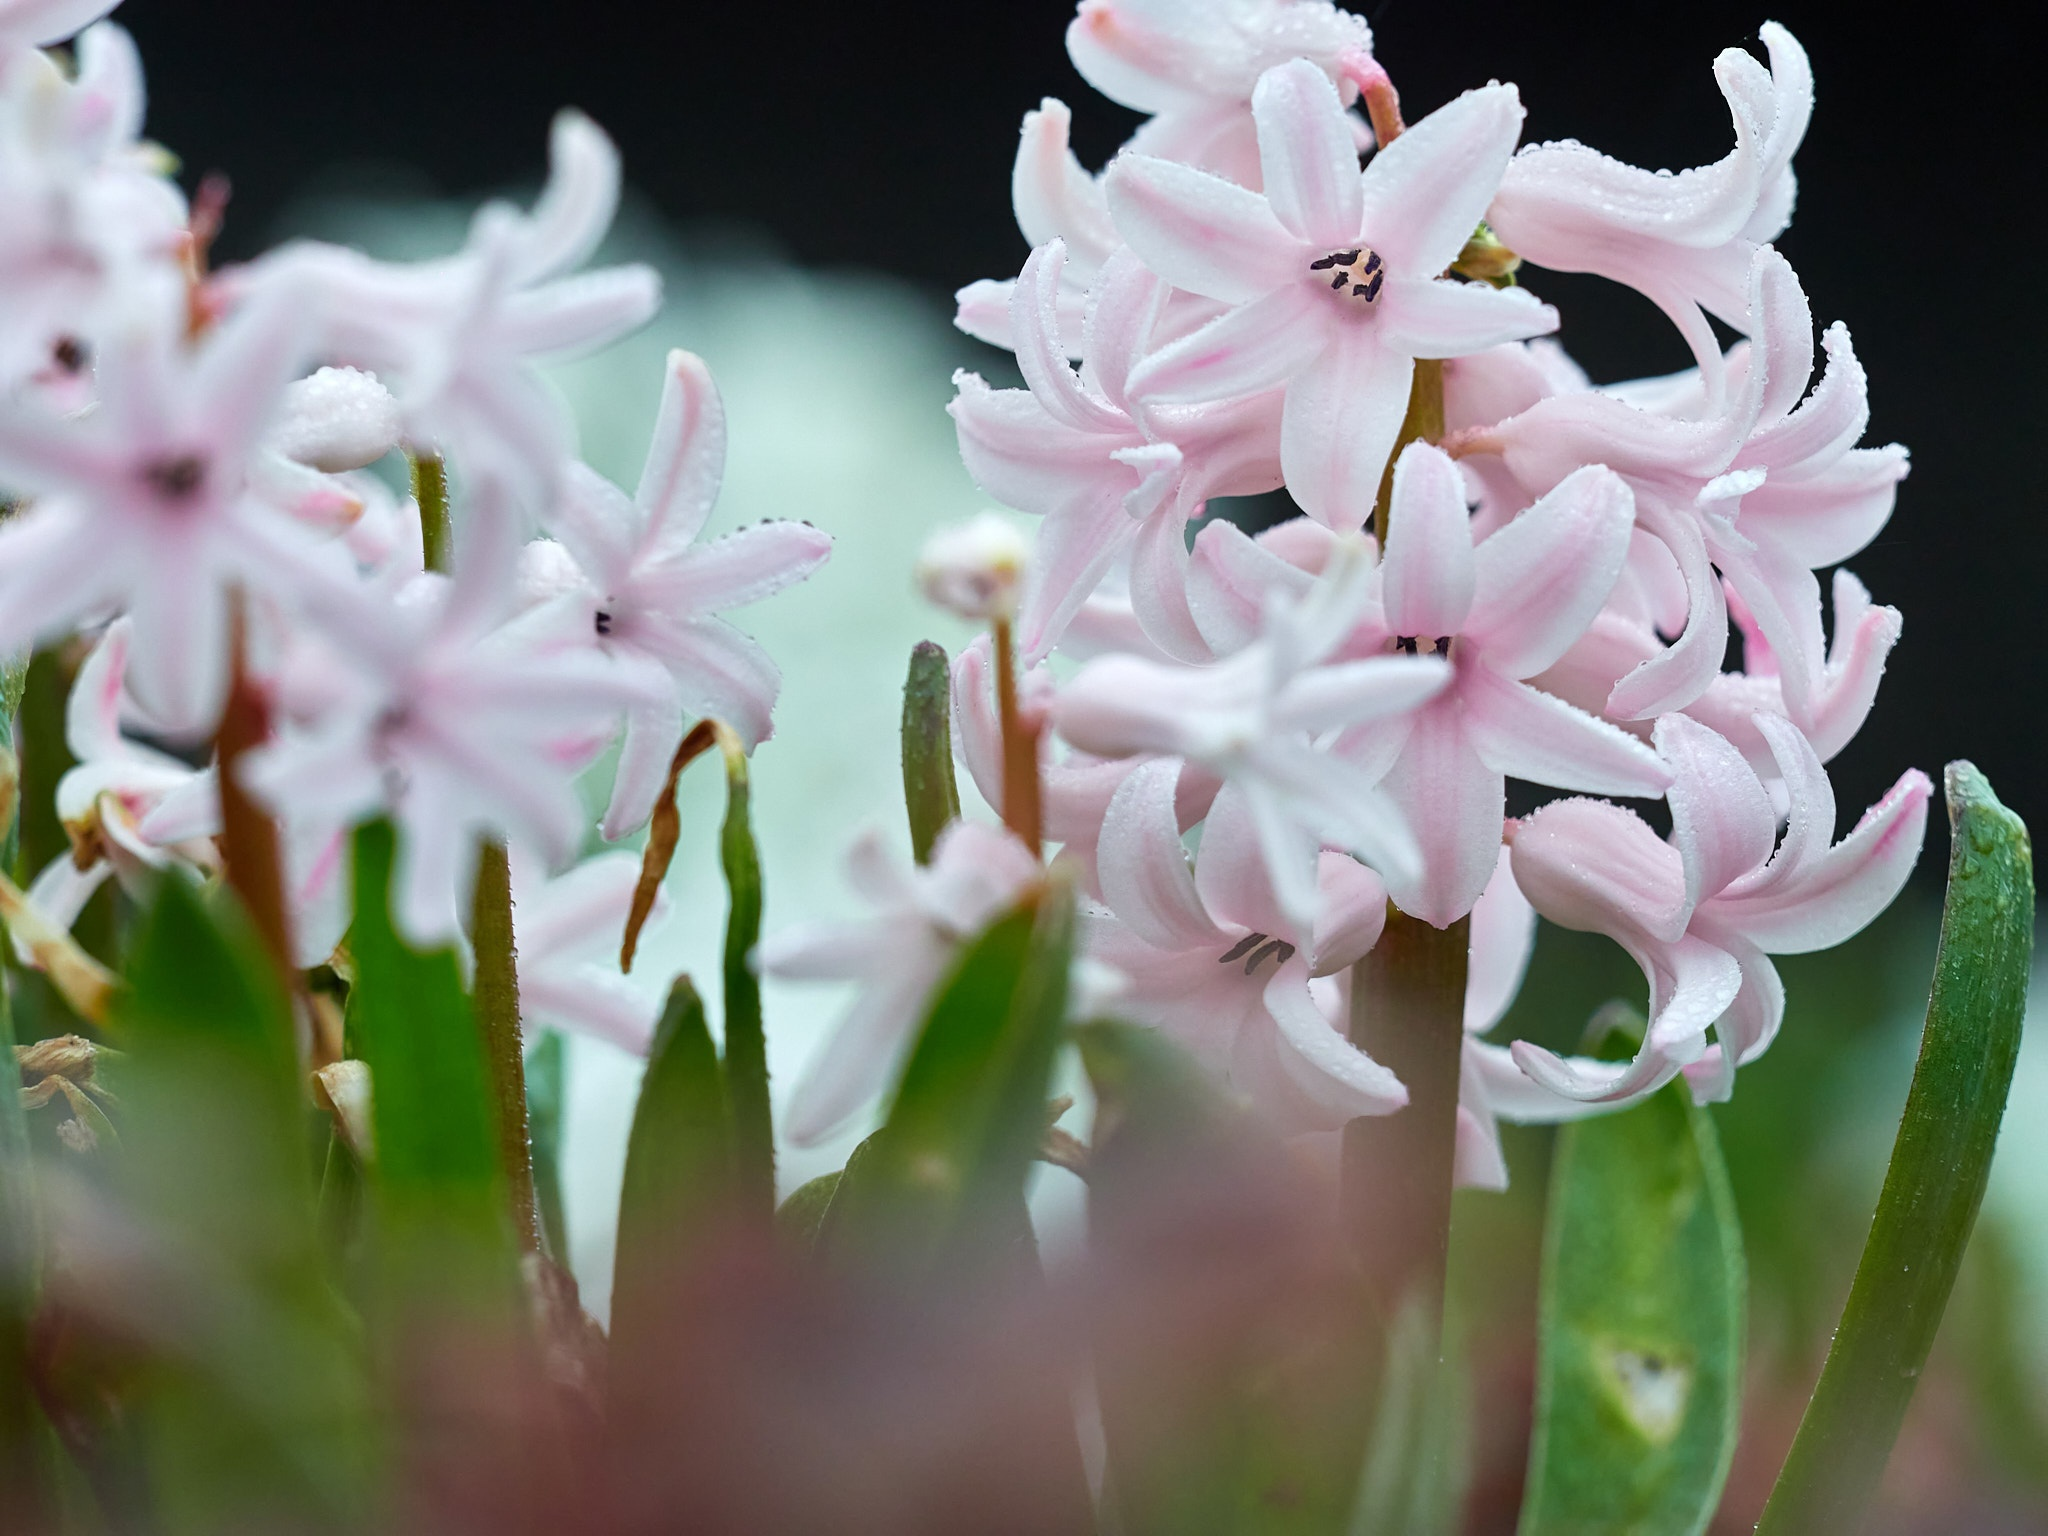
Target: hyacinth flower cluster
[188, 460]
[320, 633]
[1262, 749]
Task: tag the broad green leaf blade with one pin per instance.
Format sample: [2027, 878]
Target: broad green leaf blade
[929, 792]
[1936, 1178]
[679, 1184]
[746, 1039]
[1232, 1360]
[947, 1172]
[1640, 1327]
[437, 1188]
[547, 1070]
[259, 1415]
[801, 1217]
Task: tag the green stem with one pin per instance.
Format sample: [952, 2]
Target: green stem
[1424, 423]
[497, 1022]
[1408, 1014]
[430, 490]
[1936, 1178]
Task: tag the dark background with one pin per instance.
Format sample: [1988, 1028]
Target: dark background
[881, 136]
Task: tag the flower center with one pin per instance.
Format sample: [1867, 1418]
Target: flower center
[1255, 949]
[177, 478]
[1356, 273]
[603, 622]
[1411, 645]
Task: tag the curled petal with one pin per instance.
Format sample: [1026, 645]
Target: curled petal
[1142, 866]
[1200, 232]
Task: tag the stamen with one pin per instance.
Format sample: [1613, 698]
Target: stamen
[1241, 948]
[1360, 270]
[604, 622]
[1279, 948]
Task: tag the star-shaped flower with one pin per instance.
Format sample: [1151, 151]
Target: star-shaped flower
[1264, 720]
[651, 593]
[1208, 956]
[1703, 913]
[145, 503]
[1336, 277]
[1684, 241]
[921, 918]
[1112, 474]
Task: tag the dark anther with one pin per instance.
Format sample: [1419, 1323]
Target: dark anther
[69, 354]
[1443, 645]
[176, 479]
[1405, 644]
[1242, 947]
[1280, 949]
[1340, 259]
[604, 622]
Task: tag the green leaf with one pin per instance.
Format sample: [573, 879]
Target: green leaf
[437, 1189]
[801, 1217]
[946, 1174]
[1936, 1178]
[547, 1069]
[1640, 1326]
[928, 788]
[680, 1168]
[746, 1040]
[259, 1416]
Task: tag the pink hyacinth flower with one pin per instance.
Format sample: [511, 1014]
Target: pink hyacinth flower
[1768, 489]
[1111, 474]
[1703, 913]
[1193, 64]
[1264, 719]
[145, 503]
[920, 919]
[1210, 958]
[1501, 610]
[1335, 277]
[651, 594]
[1684, 241]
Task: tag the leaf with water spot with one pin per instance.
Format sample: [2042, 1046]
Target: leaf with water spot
[1640, 1330]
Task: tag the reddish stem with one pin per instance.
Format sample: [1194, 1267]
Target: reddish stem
[1022, 811]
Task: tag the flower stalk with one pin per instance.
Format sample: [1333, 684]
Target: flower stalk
[1022, 807]
[1408, 1014]
[248, 838]
[496, 990]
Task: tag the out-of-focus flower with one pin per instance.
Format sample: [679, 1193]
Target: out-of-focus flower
[457, 339]
[1260, 720]
[1684, 241]
[1209, 957]
[462, 726]
[567, 933]
[1111, 475]
[146, 503]
[650, 594]
[39, 23]
[921, 917]
[975, 569]
[105, 800]
[1336, 278]
[1703, 913]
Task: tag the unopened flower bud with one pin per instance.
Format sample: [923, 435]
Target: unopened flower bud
[975, 568]
[338, 419]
